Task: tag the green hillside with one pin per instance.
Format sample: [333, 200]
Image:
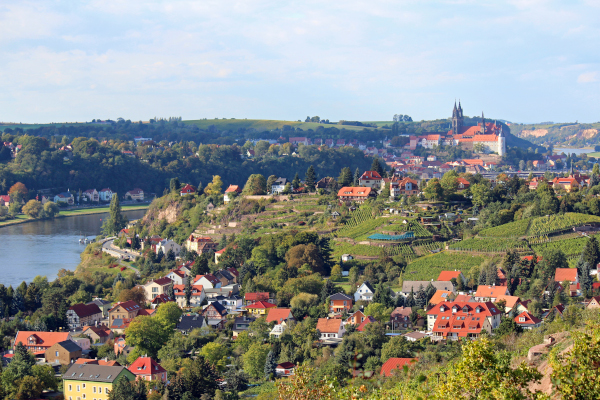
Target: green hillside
[264, 124]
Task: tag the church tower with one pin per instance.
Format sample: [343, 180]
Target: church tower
[482, 124]
[457, 119]
[501, 143]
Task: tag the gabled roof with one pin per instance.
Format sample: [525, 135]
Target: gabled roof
[529, 319]
[354, 191]
[372, 175]
[93, 373]
[85, 310]
[448, 275]
[97, 330]
[286, 365]
[487, 291]
[233, 188]
[279, 315]
[396, 363]
[329, 325]
[218, 307]
[145, 366]
[565, 274]
[260, 305]
[440, 296]
[209, 277]
[368, 320]
[163, 281]
[401, 311]
[190, 322]
[256, 296]
[511, 301]
[340, 296]
[69, 346]
[129, 305]
[45, 339]
[368, 285]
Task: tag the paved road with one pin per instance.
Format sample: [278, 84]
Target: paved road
[119, 254]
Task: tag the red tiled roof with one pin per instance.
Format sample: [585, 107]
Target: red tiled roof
[529, 319]
[354, 191]
[486, 291]
[210, 277]
[221, 251]
[279, 315]
[372, 175]
[233, 188]
[565, 274]
[260, 305]
[163, 281]
[129, 305]
[368, 320]
[447, 275]
[43, 339]
[136, 191]
[329, 325]
[396, 363]
[188, 189]
[179, 290]
[145, 366]
[256, 296]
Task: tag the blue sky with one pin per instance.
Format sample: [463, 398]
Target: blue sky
[523, 60]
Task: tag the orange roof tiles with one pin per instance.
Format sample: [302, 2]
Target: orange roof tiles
[327, 325]
[529, 319]
[42, 339]
[396, 363]
[279, 315]
[490, 291]
[448, 275]
[354, 191]
[145, 366]
[440, 296]
[565, 274]
[260, 305]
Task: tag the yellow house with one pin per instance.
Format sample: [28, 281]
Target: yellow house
[259, 308]
[92, 381]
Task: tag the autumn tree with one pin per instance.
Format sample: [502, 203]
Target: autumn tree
[33, 209]
[214, 188]
[255, 185]
[18, 192]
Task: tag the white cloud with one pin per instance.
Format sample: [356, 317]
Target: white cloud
[588, 77]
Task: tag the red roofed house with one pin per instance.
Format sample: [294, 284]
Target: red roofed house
[454, 320]
[566, 274]
[135, 194]
[160, 299]
[231, 189]
[490, 293]
[4, 200]
[106, 194]
[126, 310]
[157, 287]
[448, 275]
[368, 320]
[527, 321]
[253, 297]
[567, 184]
[463, 183]
[370, 179]
[177, 276]
[79, 315]
[259, 308]
[208, 281]
[196, 299]
[356, 318]
[39, 342]
[594, 302]
[200, 244]
[146, 369]
[285, 369]
[187, 189]
[396, 364]
[357, 194]
[330, 328]
[279, 315]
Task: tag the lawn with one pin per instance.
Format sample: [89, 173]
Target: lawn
[86, 211]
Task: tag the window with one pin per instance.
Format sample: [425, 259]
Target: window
[84, 385]
[78, 388]
[84, 395]
[522, 319]
[100, 389]
[70, 388]
[94, 389]
[56, 353]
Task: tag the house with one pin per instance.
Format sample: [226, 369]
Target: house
[228, 196]
[368, 320]
[4, 200]
[594, 303]
[161, 299]
[103, 305]
[126, 311]
[527, 321]
[200, 244]
[364, 292]
[146, 369]
[490, 292]
[188, 323]
[218, 254]
[38, 342]
[91, 381]
[259, 308]
[349, 194]
[278, 186]
[558, 310]
[187, 189]
[326, 183]
[285, 369]
[231, 303]
[135, 194]
[414, 286]
[400, 317]
[198, 296]
[167, 245]
[405, 186]
[449, 275]
[347, 257]
[225, 277]
[208, 281]
[370, 179]
[414, 336]
[463, 183]
[330, 328]
[79, 315]
[65, 198]
[440, 296]
[215, 313]
[64, 353]
[396, 364]
[356, 318]
[241, 324]
[105, 361]
[235, 273]
[566, 274]
[157, 287]
[339, 302]
[98, 334]
[454, 320]
[279, 315]
[106, 194]
[278, 330]
[177, 276]
[91, 195]
[511, 303]
[253, 297]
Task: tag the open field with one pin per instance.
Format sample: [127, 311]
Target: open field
[264, 124]
[35, 126]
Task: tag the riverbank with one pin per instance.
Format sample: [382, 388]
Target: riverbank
[21, 219]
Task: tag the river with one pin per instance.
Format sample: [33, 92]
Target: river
[44, 247]
[578, 152]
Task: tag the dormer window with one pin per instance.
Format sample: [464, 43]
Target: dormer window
[522, 319]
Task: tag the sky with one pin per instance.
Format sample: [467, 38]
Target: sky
[521, 60]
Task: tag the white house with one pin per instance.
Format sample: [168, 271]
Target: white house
[64, 197]
[278, 329]
[198, 296]
[347, 257]
[165, 245]
[364, 292]
[177, 276]
[91, 195]
[278, 185]
[208, 281]
[106, 194]
[331, 328]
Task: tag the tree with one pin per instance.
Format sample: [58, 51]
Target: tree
[115, 221]
[482, 372]
[236, 379]
[410, 299]
[591, 251]
[482, 195]
[215, 354]
[345, 178]
[378, 311]
[328, 290]
[449, 183]
[51, 209]
[270, 182]
[310, 179]
[255, 185]
[175, 185]
[21, 365]
[18, 192]
[137, 294]
[270, 365]
[434, 190]
[33, 209]
[30, 388]
[399, 347]
[214, 187]
[507, 326]
[421, 297]
[336, 273]
[122, 390]
[382, 296]
[356, 177]
[254, 359]
[376, 166]
[296, 181]
[188, 290]
[18, 303]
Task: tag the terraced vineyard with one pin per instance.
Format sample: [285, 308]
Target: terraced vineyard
[418, 229]
[512, 229]
[490, 244]
[425, 249]
[340, 248]
[429, 267]
[557, 222]
[401, 250]
[571, 247]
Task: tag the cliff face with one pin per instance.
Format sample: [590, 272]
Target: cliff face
[560, 135]
[166, 209]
